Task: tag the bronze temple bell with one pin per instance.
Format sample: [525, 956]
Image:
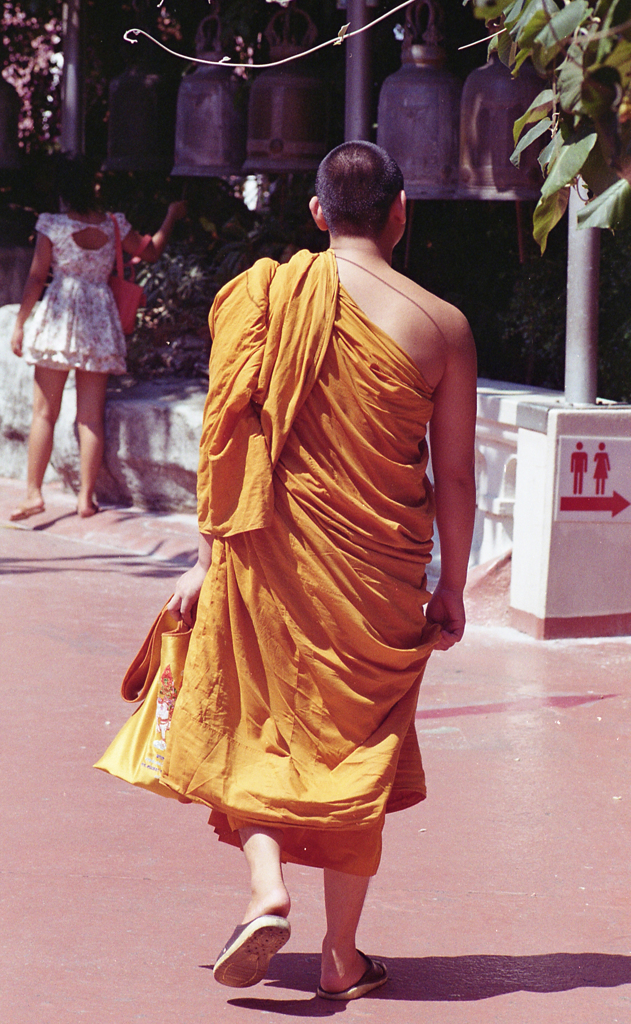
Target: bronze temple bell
[492, 100]
[419, 109]
[210, 123]
[288, 109]
[141, 122]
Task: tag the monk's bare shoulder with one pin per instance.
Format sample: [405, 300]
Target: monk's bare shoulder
[427, 328]
[448, 319]
[433, 331]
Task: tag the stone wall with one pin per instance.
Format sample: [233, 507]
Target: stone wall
[152, 434]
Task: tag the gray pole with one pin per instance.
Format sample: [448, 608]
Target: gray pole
[72, 85]
[581, 332]
[357, 108]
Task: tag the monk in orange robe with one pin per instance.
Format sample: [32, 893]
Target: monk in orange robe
[295, 722]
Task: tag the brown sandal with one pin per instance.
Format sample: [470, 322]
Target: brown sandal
[245, 958]
[374, 976]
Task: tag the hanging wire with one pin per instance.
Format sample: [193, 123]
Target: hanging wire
[131, 36]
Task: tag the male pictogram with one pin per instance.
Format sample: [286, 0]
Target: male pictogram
[603, 465]
[578, 465]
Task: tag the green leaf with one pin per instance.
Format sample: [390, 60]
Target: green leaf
[570, 80]
[611, 209]
[618, 13]
[533, 7]
[549, 151]
[540, 60]
[620, 59]
[529, 27]
[612, 14]
[535, 132]
[597, 174]
[603, 49]
[539, 108]
[505, 46]
[488, 10]
[568, 162]
[548, 213]
[512, 17]
[562, 25]
[522, 57]
[533, 19]
[600, 92]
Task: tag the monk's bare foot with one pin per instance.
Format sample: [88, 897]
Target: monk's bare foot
[27, 510]
[274, 901]
[338, 974]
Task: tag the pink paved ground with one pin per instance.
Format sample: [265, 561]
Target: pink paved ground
[504, 898]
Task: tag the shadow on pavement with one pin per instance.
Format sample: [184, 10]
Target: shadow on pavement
[567, 700]
[39, 527]
[447, 978]
[130, 564]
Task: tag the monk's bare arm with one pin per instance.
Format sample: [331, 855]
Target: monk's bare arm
[452, 441]
[189, 585]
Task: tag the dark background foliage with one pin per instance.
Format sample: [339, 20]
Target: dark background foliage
[467, 252]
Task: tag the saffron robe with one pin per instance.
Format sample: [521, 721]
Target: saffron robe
[301, 683]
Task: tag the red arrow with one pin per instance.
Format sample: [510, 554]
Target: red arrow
[614, 504]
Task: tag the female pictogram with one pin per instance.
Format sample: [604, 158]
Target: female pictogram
[603, 465]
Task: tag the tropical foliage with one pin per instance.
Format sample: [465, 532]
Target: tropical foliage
[583, 115]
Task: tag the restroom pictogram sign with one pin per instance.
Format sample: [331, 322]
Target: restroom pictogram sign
[594, 479]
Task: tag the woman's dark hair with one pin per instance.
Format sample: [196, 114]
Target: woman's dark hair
[356, 185]
[74, 182]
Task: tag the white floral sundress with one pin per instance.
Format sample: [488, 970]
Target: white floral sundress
[77, 326]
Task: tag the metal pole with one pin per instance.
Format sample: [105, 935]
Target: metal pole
[357, 108]
[72, 85]
[581, 332]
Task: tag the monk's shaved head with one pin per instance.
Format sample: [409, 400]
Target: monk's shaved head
[356, 185]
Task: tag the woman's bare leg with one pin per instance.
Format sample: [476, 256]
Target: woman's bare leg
[48, 391]
[344, 897]
[91, 391]
[269, 895]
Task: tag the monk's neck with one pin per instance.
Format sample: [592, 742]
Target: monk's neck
[361, 250]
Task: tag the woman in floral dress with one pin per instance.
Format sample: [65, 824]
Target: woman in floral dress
[77, 326]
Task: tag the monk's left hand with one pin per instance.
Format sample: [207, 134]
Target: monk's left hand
[187, 590]
[446, 607]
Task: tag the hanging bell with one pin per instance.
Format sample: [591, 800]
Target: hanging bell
[210, 122]
[419, 109]
[141, 122]
[10, 107]
[288, 108]
[492, 100]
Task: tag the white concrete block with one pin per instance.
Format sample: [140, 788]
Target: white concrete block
[570, 573]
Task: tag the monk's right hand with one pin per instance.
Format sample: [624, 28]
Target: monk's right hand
[187, 590]
[446, 607]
